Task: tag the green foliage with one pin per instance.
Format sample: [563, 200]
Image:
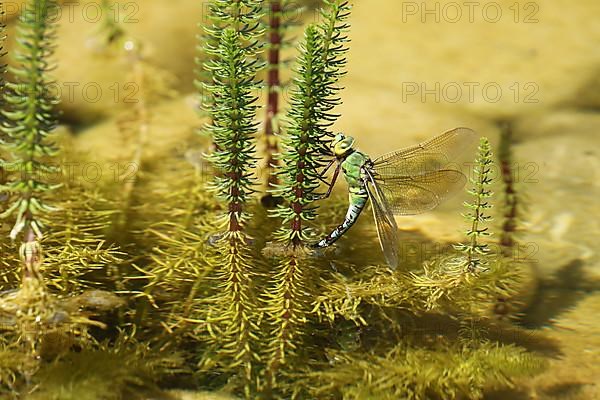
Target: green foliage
[475, 251]
[243, 16]
[76, 252]
[2, 88]
[30, 120]
[153, 85]
[314, 96]
[310, 116]
[2, 52]
[288, 306]
[233, 127]
[280, 19]
[12, 362]
[305, 136]
[206, 309]
[106, 371]
[110, 27]
[334, 30]
[234, 315]
[441, 286]
[415, 373]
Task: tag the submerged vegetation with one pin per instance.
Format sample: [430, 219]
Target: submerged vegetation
[475, 251]
[120, 291]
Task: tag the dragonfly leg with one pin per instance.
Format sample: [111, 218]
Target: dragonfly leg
[357, 204]
[330, 185]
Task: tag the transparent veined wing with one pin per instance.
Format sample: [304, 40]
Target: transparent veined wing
[409, 195]
[429, 156]
[387, 230]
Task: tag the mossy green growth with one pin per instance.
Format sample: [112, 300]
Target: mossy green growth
[124, 369]
[442, 371]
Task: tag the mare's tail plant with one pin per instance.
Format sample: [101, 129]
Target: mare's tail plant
[315, 94]
[243, 16]
[152, 84]
[110, 28]
[3, 195]
[512, 203]
[233, 130]
[29, 120]
[474, 250]
[313, 98]
[280, 20]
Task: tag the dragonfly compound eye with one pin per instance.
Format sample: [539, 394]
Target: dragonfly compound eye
[338, 138]
[344, 146]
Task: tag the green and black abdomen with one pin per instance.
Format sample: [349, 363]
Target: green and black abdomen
[352, 168]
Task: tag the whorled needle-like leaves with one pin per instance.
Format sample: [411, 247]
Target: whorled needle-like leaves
[413, 373]
[310, 116]
[307, 133]
[242, 16]
[280, 19]
[475, 251]
[233, 129]
[29, 119]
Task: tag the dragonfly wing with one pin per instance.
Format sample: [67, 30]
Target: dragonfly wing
[387, 230]
[416, 194]
[432, 155]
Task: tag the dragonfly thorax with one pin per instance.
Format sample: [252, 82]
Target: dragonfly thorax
[342, 145]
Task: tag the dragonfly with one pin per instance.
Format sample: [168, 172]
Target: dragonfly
[404, 182]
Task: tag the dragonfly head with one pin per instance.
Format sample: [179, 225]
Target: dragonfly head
[342, 145]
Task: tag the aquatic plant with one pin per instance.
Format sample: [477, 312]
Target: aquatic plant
[475, 251]
[303, 324]
[281, 19]
[215, 277]
[406, 371]
[32, 315]
[511, 200]
[110, 27]
[243, 16]
[305, 137]
[152, 85]
[314, 95]
[29, 120]
[313, 98]
[233, 129]
[74, 246]
[2, 88]
[2, 51]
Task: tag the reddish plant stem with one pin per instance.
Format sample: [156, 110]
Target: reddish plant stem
[509, 225]
[296, 223]
[273, 85]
